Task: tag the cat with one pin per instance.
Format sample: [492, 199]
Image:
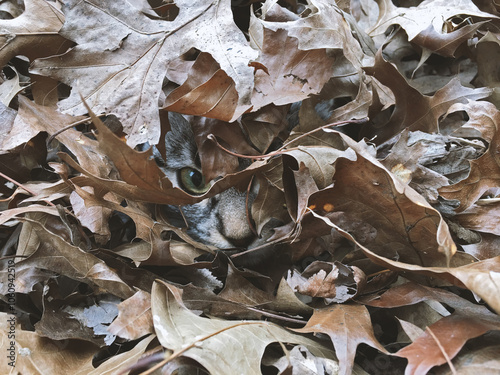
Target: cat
[220, 221]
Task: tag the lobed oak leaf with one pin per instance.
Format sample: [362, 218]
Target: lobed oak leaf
[9, 88]
[319, 160]
[287, 301]
[203, 299]
[300, 185]
[13, 213]
[143, 221]
[288, 77]
[33, 118]
[411, 293]
[34, 33]
[323, 26]
[127, 70]
[348, 325]
[487, 247]
[216, 162]
[356, 109]
[482, 116]
[240, 290]
[264, 126]
[404, 225]
[449, 335]
[316, 111]
[94, 218]
[414, 110]
[416, 19]
[482, 360]
[407, 156]
[156, 250]
[482, 217]
[205, 340]
[446, 44]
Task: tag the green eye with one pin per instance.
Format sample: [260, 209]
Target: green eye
[192, 181]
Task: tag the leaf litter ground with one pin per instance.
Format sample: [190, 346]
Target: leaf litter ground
[372, 130]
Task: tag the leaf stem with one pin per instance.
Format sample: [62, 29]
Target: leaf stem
[445, 355]
[192, 345]
[73, 124]
[280, 151]
[24, 187]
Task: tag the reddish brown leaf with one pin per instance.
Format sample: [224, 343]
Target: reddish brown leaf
[264, 126]
[216, 162]
[38, 118]
[208, 91]
[452, 332]
[348, 325]
[125, 54]
[412, 293]
[134, 318]
[404, 162]
[483, 217]
[399, 223]
[483, 360]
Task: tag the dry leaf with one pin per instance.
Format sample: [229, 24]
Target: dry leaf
[348, 325]
[204, 339]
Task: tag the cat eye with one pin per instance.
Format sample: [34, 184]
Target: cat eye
[193, 181]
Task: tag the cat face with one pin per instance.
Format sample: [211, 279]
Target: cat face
[220, 221]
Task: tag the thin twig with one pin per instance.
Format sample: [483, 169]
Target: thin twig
[73, 124]
[360, 121]
[25, 188]
[33, 193]
[192, 345]
[276, 316]
[280, 150]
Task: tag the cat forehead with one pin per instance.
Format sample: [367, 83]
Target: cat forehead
[180, 146]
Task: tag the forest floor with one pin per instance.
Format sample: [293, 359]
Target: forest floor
[379, 211]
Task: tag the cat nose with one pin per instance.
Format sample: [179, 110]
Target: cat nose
[241, 242]
[232, 212]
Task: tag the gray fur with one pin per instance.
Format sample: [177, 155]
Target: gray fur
[220, 221]
[180, 146]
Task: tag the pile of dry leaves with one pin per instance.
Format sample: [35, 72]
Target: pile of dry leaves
[385, 233]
